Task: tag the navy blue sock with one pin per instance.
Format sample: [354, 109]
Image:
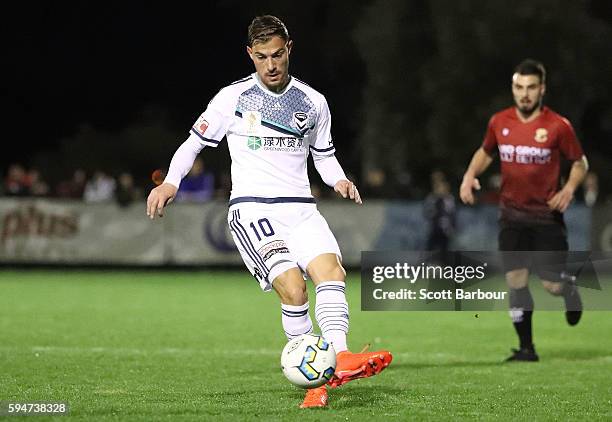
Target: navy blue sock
[521, 311]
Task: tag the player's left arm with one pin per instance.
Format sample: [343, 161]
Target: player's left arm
[325, 161]
[332, 174]
[561, 200]
[570, 148]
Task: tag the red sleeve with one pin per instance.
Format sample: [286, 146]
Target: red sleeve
[490, 140]
[568, 142]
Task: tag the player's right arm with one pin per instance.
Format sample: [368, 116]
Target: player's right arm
[480, 162]
[207, 131]
[181, 163]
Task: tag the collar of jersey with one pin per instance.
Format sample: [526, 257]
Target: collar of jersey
[267, 91]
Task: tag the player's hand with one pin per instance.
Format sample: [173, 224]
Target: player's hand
[561, 200]
[348, 190]
[465, 191]
[159, 198]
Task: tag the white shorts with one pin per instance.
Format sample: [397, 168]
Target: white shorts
[273, 238]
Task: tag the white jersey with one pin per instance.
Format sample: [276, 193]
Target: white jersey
[269, 137]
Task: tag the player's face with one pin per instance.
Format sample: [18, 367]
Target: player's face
[271, 61]
[528, 92]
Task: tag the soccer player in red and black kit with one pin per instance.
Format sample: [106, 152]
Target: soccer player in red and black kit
[531, 139]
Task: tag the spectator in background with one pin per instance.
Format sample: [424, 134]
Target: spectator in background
[376, 184]
[590, 189]
[16, 183]
[100, 188]
[36, 185]
[225, 186]
[126, 192]
[440, 210]
[198, 185]
[405, 186]
[73, 188]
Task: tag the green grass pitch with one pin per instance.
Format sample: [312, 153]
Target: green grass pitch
[147, 345]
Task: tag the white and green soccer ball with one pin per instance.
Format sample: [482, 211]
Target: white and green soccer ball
[308, 361]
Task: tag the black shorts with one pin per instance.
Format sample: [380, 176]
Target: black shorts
[549, 239]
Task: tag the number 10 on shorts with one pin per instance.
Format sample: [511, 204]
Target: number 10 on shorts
[264, 227]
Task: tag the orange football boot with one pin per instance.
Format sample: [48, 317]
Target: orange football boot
[351, 366]
[315, 397]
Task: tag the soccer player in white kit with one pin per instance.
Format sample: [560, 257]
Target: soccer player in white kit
[272, 122]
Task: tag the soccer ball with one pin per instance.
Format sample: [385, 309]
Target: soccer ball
[308, 361]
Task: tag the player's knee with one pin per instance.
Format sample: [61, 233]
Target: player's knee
[517, 279]
[335, 273]
[554, 288]
[326, 267]
[291, 289]
[296, 295]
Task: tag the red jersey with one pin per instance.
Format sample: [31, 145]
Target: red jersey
[530, 155]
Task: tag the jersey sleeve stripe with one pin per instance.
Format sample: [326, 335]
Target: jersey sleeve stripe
[210, 142]
[322, 150]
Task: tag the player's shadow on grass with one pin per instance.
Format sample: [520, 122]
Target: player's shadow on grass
[357, 396]
[434, 364]
[575, 354]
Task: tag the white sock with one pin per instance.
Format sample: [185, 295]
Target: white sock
[296, 320]
[332, 313]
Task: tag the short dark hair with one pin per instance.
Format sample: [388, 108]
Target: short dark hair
[531, 67]
[262, 28]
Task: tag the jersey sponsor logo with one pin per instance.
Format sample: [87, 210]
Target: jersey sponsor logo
[252, 120]
[254, 142]
[541, 135]
[201, 125]
[270, 249]
[524, 154]
[283, 144]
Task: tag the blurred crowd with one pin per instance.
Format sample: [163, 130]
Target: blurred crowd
[99, 185]
[95, 187]
[202, 185]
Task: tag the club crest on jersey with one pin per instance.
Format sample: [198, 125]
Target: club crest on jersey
[201, 125]
[252, 120]
[300, 119]
[541, 135]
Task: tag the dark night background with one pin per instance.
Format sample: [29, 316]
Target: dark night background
[411, 85]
